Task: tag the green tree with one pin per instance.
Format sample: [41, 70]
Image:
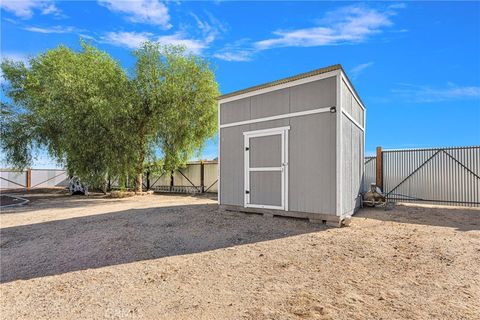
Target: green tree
[89, 115]
[175, 104]
[74, 104]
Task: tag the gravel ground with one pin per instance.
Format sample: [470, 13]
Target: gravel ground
[178, 257]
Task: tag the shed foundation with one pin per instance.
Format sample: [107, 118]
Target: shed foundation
[319, 218]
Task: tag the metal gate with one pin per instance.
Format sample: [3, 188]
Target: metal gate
[449, 176]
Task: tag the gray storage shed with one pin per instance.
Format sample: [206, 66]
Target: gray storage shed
[293, 147]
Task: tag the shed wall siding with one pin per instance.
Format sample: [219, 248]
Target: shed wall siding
[312, 176]
[352, 152]
[234, 111]
[308, 96]
[351, 105]
[231, 168]
[312, 145]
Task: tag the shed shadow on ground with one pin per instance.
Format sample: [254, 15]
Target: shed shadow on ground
[60, 246]
[461, 219]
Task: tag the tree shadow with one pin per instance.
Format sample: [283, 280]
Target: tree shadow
[56, 247]
[59, 198]
[461, 219]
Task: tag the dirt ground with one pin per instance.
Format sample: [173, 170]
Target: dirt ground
[178, 257]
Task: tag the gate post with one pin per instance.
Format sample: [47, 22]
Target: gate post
[202, 177]
[29, 179]
[148, 180]
[379, 169]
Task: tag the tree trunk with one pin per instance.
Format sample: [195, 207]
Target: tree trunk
[138, 181]
[139, 169]
[139, 172]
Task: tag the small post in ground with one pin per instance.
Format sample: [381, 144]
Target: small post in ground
[379, 169]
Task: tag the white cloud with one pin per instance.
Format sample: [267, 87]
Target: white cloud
[238, 51]
[240, 55]
[346, 25]
[54, 29]
[357, 70]
[194, 46]
[131, 40]
[144, 11]
[201, 36]
[25, 8]
[351, 24]
[51, 9]
[397, 6]
[15, 56]
[210, 28]
[426, 94]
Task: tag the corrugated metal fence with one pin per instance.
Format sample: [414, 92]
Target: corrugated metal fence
[34, 178]
[196, 177]
[449, 176]
[369, 172]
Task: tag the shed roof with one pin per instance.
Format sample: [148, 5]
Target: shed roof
[284, 80]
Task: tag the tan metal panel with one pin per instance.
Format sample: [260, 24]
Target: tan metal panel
[18, 179]
[192, 172]
[211, 177]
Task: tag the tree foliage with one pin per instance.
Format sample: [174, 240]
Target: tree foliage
[88, 114]
[176, 95]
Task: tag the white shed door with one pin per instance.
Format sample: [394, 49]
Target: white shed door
[266, 168]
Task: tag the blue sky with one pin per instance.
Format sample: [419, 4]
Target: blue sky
[416, 65]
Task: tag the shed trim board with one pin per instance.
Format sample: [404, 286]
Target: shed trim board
[346, 114]
[277, 117]
[338, 137]
[218, 152]
[283, 169]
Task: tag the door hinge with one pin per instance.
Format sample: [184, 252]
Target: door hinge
[247, 192]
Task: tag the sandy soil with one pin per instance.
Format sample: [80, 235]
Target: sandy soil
[178, 257]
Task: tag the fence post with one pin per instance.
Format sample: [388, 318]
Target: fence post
[29, 179]
[379, 169]
[148, 180]
[202, 176]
